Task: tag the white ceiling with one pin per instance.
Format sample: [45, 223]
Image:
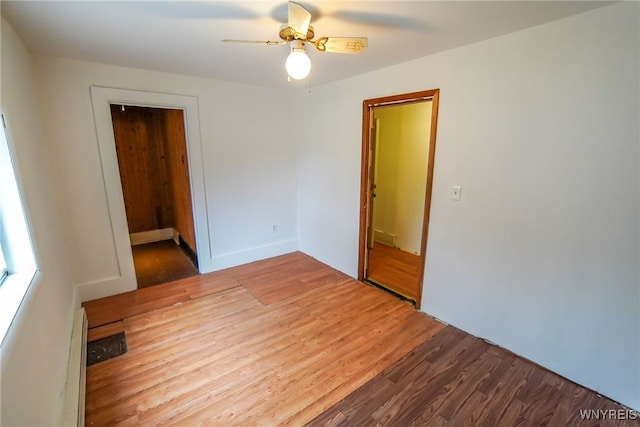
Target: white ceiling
[185, 36]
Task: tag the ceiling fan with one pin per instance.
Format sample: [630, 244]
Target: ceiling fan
[298, 31]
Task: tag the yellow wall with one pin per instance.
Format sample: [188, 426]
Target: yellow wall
[401, 172]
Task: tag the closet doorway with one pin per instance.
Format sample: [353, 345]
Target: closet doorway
[398, 150]
[154, 174]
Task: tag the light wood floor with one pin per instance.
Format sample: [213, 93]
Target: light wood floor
[276, 342]
[290, 341]
[395, 269]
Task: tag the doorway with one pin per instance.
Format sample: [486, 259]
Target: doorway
[154, 174]
[398, 150]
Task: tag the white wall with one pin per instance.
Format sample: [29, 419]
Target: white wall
[540, 128]
[249, 161]
[36, 349]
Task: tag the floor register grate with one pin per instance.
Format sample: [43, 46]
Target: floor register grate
[106, 348]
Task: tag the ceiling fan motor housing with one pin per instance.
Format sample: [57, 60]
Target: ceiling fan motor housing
[287, 33]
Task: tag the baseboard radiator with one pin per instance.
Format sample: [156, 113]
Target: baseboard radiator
[76, 373]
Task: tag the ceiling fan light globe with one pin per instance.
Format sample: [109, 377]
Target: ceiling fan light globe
[298, 65]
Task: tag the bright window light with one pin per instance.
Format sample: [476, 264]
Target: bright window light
[17, 262]
[3, 264]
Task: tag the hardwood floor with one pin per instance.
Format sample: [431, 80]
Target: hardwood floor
[395, 269]
[118, 307]
[161, 262]
[227, 358]
[290, 341]
[457, 380]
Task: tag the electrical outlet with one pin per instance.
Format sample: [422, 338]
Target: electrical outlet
[274, 228]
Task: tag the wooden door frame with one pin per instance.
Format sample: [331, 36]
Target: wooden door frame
[365, 175]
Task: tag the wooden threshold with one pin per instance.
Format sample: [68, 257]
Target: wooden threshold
[104, 331]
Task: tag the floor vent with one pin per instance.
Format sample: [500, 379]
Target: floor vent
[106, 348]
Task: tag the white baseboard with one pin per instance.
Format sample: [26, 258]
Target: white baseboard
[106, 287]
[74, 401]
[255, 254]
[152, 236]
[119, 284]
[384, 237]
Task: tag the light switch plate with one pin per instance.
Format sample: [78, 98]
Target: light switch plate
[456, 193]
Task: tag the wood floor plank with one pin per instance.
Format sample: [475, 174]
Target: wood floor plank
[331, 418]
[467, 381]
[503, 394]
[468, 411]
[104, 331]
[293, 279]
[118, 307]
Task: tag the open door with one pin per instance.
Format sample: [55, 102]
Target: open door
[154, 173]
[397, 172]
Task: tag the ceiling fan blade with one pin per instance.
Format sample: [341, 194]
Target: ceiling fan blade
[267, 42]
[299, 20]
[341, 44]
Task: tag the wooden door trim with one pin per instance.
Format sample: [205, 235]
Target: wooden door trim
[367, 122]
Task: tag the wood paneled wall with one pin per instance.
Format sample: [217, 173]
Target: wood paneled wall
[154, 171]
[178, 172]
[140, 146]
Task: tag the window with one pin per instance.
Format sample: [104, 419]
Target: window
[3, 265]
[17, 262]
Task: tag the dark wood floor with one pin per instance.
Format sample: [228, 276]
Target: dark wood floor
[454, 379]
[161, 262]
[290, 341]
[395, 269]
